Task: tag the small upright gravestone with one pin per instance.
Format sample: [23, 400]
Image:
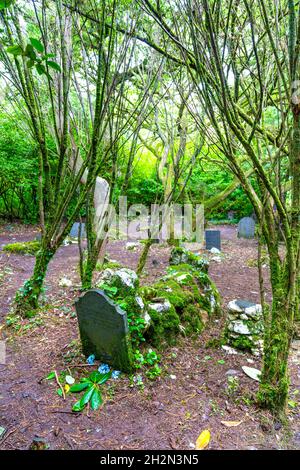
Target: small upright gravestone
[104, 330]
[74, 232]
[213, 239]
[246, 228]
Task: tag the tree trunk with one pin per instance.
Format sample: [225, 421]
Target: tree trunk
[96, 253]
[143, 257]
[274, 386]
[27, 298]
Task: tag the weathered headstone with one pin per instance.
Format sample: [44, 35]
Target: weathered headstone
[246, 228]
[75, 230]
[103, 329]
[213, 239]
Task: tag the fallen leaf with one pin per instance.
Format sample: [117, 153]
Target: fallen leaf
[203, 440]
[252, 372]
[231, 424]
[70, 380]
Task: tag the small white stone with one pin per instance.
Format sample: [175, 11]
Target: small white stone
[146, 317]
[132, 245]
[233, 307]
[161, 307]
[173, 377]
[217, 259]
[140, 302]
[215, 251]
[182, 277]
[239, 327]
[229, 350]
[65, 282]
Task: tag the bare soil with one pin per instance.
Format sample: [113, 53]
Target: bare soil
[169, 413]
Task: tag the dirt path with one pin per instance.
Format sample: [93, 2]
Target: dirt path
[191, 395]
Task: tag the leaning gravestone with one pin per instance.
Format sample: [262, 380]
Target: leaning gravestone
[246, 228]
[104, 330]
[213, 239]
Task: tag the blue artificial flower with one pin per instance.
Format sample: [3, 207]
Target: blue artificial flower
[91, 359]
[104, 369]
[115, 374]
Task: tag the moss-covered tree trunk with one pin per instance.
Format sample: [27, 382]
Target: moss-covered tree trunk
[143, 257]
[27, 298]
[274, 385]
[90, 265]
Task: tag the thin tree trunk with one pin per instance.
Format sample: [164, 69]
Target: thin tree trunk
[27, 298]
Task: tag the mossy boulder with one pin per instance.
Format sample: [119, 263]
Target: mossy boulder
[124, 280]
[193, 297]
[180, 303]
[180, 255]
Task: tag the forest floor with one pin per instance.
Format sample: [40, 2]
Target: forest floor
[190, 396]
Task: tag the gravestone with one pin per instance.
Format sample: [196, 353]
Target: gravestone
[75, 230]
[246, 228]
[213, 239]
[103, 330]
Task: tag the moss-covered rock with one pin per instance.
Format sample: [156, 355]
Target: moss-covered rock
[124, 280]
[193, 296]
[181, 302]
[180, 255]
[164, 328]
[244, 327]
[23, 248]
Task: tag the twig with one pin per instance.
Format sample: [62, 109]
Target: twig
[59, 384]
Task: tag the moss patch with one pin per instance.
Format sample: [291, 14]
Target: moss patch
[23, 248]
[164, 328]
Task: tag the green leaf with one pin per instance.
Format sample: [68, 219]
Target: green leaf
[30, 63]
[77, 406]
[5, 4]
[87, 396]
[104, 378]
[59, 392]
[37, 44]
[29, 52]
[48, 56]
[40, 69]
[79, 387]
[53, 65]
[95, 376]
[15, 50]
[96, 399]
[50, 376]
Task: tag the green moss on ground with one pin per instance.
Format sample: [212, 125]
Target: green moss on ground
[23, 248]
